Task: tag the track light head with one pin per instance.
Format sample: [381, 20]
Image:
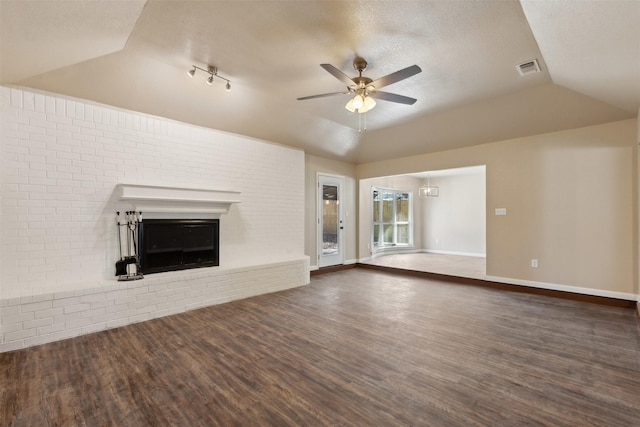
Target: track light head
[192, 72]
[210, 80]
[228, 86]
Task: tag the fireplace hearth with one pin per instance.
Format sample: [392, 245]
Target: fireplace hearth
[178, 244]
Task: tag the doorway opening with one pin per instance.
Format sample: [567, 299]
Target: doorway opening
[448, 227]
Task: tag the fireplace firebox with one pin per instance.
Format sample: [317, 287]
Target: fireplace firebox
[178, 244]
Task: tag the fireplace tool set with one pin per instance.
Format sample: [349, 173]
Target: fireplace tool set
[128, 267]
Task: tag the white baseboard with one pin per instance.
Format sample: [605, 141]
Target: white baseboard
[350, 261]
[541, 285]
[473, 254]
[565, 288]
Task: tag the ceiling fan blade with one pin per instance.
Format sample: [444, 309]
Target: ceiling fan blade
[338, 74]
[393, 97]
[405, 73]
[323, 95]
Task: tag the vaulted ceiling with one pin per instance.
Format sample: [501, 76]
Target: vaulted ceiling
[134, 54]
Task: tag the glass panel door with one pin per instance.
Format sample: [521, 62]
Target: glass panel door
[330, 228]
[330, 221]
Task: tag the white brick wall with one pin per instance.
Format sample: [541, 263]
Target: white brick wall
[61, 160]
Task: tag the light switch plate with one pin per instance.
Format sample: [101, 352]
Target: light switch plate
[501, 211]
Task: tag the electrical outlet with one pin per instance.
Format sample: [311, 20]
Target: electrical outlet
[534, 263]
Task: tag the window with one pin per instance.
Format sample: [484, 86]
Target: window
[392, 219]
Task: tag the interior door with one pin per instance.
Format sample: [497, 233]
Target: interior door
[330, 221]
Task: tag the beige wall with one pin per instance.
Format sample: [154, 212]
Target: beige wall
[571, 201]
[313, 166]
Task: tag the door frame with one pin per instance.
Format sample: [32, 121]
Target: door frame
[339, 180]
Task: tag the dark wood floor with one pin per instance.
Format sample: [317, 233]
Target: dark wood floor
[354, 348]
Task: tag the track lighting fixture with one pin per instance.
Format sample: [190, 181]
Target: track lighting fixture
[213, 72]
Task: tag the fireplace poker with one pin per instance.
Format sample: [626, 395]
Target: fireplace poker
[128, 234]
[119, 237]
[121, 264]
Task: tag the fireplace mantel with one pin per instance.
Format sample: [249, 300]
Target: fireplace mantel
[150, 198]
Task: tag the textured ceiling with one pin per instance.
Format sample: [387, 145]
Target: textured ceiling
[40, 36]
[592, 47]
[135, 55]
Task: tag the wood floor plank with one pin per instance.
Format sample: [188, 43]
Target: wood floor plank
[354, 348]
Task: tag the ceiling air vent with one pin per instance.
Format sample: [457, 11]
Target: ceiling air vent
[529, 67]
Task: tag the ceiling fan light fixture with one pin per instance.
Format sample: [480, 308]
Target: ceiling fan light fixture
[369, 103]
[358, 102]
[350, 106]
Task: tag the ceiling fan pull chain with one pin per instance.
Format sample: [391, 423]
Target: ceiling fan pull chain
[362, 119]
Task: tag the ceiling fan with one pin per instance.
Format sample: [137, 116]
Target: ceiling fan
[365, 89]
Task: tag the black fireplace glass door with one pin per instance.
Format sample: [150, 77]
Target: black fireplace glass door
[168, 245]
[163, 246]
[197, 244]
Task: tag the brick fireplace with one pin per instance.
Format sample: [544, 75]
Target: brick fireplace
[181, 226]
[69, 165]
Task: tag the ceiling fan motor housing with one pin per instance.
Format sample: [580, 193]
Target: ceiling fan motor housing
[359, 64]
[362, 81]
